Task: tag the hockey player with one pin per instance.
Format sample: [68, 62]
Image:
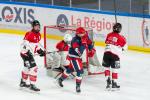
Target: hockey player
[115, 44]
[78, 44]
[29, 48]
[63, 48]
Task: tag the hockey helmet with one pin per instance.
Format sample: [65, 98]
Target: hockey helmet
[80, 30]
[35, 22]
[117, 28]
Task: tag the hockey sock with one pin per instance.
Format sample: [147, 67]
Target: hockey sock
[64, 75]
[107, 72]
[25, 74]
[78, 80]
[114, 74]
[33, 79]
[33, 75]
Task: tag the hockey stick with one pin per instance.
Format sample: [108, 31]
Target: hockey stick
[115, 9]
[44, 48]
[47, 52]
[143, 11]
[56, 77]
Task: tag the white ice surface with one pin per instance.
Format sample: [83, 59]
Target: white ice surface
[134, 77]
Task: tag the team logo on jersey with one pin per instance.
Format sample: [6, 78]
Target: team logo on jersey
[145, 33]
[62, 21]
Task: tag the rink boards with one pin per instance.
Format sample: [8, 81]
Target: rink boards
[16, 17]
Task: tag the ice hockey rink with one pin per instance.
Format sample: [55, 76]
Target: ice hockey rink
[134, 77]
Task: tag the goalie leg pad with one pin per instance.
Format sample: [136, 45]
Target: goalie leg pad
[64, 60]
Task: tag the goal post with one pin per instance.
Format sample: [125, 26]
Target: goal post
[53, 34]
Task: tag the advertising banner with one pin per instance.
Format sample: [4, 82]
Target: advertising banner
[135, 29]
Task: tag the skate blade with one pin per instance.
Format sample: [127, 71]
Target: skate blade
[115, 89]
[78, 92]
[56, 84]
[32, 91]
[23, 88]
[108, 89]
[28, 90]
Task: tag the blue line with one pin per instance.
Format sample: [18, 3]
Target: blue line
[77, 9]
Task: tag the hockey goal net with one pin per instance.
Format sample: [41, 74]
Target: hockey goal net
[53, 34]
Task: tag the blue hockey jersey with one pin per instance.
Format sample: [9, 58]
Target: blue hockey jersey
[78, 45]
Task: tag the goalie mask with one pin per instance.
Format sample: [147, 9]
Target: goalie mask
[67, 38]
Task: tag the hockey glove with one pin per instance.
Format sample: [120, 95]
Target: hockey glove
[91, 53]
[41, 52]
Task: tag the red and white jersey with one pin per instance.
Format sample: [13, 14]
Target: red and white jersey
[115, 43]
[31, 42]
[32, 37]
